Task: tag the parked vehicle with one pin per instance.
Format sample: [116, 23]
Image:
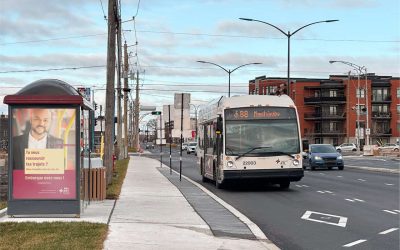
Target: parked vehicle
[347, 147]
[149, 145]
[322, 156]
[184, 146]
[389, 147]
[191, 148]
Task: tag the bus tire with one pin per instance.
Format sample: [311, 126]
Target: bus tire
[284, 184]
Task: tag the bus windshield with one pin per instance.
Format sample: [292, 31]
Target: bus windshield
[269, 135]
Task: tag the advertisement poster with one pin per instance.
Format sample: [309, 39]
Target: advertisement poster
[44, 144]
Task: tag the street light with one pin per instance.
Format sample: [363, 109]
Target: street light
[228, 71]
[288, 35]
[360, 70]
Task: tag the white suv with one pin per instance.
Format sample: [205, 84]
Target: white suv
[389, 146]
[191, 148]
[347, 147]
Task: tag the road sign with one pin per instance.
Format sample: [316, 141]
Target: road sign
[156, 113]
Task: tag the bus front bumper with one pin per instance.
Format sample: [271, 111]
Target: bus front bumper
[273, 175]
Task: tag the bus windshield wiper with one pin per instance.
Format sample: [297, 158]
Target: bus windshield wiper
[251, 150]
[281, 153]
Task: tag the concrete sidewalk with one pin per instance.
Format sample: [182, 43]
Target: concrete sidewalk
[152, 213]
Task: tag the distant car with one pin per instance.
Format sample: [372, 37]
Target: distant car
[347, 147]
[389, 147]
[184, 146]
[191, 148]
[149, 145]
[322, 156]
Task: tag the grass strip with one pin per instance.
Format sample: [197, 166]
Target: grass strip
[114, 189]
[3, 204]
[52, 235]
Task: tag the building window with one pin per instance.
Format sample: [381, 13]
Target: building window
[360, 93]
[398, 109]
[361, 108]
[333, 126]
[380, 94]
[332, 93]
[317, 93]
[398, 92]
[333, 110]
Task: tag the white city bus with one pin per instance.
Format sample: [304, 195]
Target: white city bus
[250, 137]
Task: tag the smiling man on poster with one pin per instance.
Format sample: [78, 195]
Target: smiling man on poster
[38, 137]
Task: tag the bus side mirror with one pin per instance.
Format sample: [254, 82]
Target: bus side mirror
[305, 145]
[219, 125]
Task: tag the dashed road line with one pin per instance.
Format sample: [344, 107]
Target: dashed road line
[325, 191]
[339, 176]
[389, 184]
[389, 230]
[302, 185]
[354, 243]
[354, 200]
[361, 180]
[390, 212]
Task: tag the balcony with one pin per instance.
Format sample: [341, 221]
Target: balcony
[324, 99]
[384, 99]
[324, 116]
[380, 83]
[382, 133]
[327, 132]
[381, 115]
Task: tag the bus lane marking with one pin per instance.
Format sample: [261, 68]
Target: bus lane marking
[390, 212]
[330, 219]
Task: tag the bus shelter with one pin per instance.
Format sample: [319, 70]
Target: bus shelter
[49, 135]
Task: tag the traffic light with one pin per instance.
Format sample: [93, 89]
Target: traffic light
[156, 112]
[95, 106]
[95, 122]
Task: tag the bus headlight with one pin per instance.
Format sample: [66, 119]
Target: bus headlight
[295, 162]
[229, 164]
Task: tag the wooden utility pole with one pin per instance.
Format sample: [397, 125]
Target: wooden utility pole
[110, 97]
[126, 91]
[119, 107]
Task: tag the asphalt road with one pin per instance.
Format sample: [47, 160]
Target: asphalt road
[333, 209]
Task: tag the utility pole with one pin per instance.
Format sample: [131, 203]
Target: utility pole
[119, 107]
[110, 97]
[136, 126]
[126, 91]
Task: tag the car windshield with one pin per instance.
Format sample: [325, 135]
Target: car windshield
[244, 135]
[322, 149]
[193, 144]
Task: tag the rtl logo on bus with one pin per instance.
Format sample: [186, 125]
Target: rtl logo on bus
[193, 134]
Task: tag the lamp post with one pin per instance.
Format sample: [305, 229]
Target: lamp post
[228, 71]
[288, 35]
[359, 69]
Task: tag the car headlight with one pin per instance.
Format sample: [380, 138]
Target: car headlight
[340, 157]
[295, 162]
[229, 164]
[318, 158]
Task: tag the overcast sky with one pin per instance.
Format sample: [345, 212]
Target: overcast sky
[172, 35]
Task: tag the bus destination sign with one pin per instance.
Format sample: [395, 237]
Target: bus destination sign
[260, 113]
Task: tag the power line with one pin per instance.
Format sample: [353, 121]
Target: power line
[137, 9]
[53, 39]
[52, 69]
[104, 14]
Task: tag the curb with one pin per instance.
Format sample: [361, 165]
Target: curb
[382, 170]
[3, 212]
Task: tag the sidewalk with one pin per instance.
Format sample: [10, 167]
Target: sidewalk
[152, 213]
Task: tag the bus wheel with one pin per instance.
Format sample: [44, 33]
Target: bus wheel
[284, 184]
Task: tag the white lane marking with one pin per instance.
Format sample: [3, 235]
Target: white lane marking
[354, 200]
[322, 192]
[389, 230]
[361, 180]
[341, 223]
[321, 173]
[302, 185]
[397, 210]
[349, 200]
[388, 211]
[329, 192]
[389, 184]
[339, 176]
[359, 200]
[354, 243]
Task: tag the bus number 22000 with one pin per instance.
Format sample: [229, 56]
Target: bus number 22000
[247, 163]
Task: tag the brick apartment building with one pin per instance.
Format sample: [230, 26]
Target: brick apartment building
[328, 107]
